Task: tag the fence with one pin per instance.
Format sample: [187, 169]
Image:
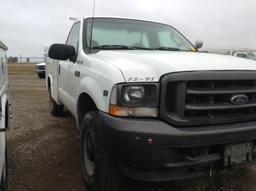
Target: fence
[26, 59]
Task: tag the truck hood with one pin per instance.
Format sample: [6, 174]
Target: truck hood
[140, 65]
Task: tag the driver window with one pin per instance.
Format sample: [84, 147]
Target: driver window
[73, 38]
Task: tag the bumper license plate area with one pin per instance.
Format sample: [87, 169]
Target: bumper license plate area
[238, 154]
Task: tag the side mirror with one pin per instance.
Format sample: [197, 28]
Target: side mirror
[199, 44]
[61, 51]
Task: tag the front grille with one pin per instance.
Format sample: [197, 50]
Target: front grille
[200, 98]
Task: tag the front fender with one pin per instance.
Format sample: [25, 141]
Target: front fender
[53, 87]
[49, 77]
[92, 88]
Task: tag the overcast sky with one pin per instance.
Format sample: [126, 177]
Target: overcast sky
[27, 26]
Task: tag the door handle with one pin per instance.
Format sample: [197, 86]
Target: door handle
[77, 73]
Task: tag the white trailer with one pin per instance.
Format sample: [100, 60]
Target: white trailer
[4, 116]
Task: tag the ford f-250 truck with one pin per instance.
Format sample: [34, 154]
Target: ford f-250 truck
[149, 105]
[4, 117]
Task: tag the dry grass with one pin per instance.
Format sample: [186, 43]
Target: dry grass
[21, 68]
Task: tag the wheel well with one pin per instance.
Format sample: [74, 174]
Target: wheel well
[85, 104]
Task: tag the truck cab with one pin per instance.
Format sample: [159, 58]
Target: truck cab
[148, 105]
[4, 116]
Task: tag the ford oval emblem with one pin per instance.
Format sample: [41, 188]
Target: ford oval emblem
[239, 99]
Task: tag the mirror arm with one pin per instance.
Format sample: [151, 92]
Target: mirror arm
[73, 58]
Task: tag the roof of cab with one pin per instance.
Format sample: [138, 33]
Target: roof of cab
[3, 46]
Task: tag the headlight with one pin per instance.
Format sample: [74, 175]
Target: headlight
[140, 100]
[133, 94]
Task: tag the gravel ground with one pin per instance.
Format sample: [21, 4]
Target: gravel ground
[44, 150]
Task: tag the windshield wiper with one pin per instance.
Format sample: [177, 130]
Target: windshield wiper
[120, 47]
[169, 49]
[139, 48]
[111, 47]
[125, 47]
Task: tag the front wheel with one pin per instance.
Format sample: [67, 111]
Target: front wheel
[41, 75]
[99, 170]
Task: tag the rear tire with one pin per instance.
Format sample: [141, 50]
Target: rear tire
[55, 109]
[99, 171]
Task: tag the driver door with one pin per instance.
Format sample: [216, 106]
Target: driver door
[65, 70]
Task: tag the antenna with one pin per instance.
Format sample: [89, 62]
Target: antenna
[93, 12]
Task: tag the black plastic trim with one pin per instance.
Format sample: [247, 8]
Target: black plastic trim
[203, 107]
[126, 141]
[209, 75]
[216, 91]
[177, 118]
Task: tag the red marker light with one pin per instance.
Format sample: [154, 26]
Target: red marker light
[150, 141]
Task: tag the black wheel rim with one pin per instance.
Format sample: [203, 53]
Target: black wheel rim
[89, 154]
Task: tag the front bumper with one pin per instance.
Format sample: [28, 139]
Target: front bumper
[40, 71]
[152, 150]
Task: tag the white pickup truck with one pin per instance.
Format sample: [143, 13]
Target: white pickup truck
[4, 116]
[149, 105]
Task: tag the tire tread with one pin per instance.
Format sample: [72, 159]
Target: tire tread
[108, 177]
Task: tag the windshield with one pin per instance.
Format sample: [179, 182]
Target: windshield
[109, 33]
[252, 55]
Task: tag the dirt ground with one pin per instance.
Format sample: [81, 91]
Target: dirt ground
[44, 150]
[21, 68]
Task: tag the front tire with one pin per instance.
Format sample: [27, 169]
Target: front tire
[99, 170]
[41, 75]
[55, 109]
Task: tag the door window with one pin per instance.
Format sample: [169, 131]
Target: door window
[73, 38]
